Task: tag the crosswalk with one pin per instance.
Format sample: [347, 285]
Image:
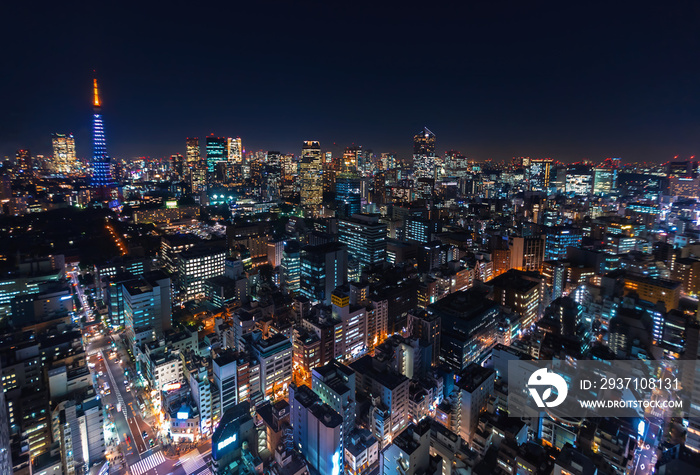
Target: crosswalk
[152, 461]
[193, 461]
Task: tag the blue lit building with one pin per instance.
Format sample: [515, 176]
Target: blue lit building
[101, 173]
[291, 267]
[323, 269]
[217, 151]
[365, 237]
[348, 194]
[558, 240]
[317, 431]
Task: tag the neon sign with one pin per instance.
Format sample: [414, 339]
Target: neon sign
[226, 442]
[171, 386]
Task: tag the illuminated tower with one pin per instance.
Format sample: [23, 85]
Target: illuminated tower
[101, 174]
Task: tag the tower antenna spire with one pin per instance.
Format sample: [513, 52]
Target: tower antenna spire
[96, 93]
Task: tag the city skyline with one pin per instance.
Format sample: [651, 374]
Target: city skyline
[492, 83]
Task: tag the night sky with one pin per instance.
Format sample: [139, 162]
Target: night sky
[493, 79]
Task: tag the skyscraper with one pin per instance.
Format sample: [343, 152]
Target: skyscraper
[235, 150]
[193, 156]
[323, 268]
[216, 151]
[311, 173]
[540, 172]
[424, 154]
[24, 162]
[64, 159]
[101, 174]
[365, 237]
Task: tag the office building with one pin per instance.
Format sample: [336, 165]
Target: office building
[234, 443]
[475, 385]
[468, 327]
[235, 150]
[557, 242]
[365, 238]
[195, 266]
[78, 425]
[419, 229]
[409, 453]
[274, 354]
[348, 194]
[655, 291]
[334, 383]
[388, 391]
[424, 158]
[521, 292]
[317, 431]
[64, 159]
[147, 303]
[579, 180]
[236, 378]
[323, 268]
[353, 340]
[540, 174]
[291, 267]
[311, 177]
[216, 151]
[192, 151]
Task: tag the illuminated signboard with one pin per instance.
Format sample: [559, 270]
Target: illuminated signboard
[171, 204]
[183, 415]
[226, 442]
[171, 386]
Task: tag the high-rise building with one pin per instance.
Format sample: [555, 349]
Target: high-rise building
[558, 240]
[352, 158]
[195, 266]
[101, 172]
[78, 427]
[216, 151]
[521, 292]
[348, 194]
[193, 153]
[467, 327]
[5, 450]
[147, 303]
[424, 158]
[64, 158]
[291, 267]
[317, 431]
[604, 179]
[365, 237]
[235, 150]
[579, 180]
[23, 160]
[323, 268]
[177, 165]
[540, 172]
[334, 383]
[311, 174]
[475, 388]
[275, 357]
[409, 452]
[418, 229]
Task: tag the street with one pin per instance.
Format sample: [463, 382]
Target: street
[132, 445]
